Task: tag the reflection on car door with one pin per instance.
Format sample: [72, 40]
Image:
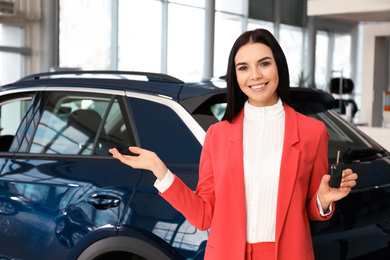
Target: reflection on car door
[162, 130]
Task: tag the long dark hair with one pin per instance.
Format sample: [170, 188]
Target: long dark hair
[235, 97]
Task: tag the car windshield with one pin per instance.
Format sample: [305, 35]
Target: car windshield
[345, 138]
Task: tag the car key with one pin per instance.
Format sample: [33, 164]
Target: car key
[335, 174]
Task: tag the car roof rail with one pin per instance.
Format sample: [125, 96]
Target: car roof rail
[103, 74]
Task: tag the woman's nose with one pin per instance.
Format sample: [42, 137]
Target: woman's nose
[256, 74]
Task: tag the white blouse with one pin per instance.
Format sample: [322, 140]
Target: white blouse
[263, 133]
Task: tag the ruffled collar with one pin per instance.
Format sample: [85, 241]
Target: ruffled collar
[267, 112]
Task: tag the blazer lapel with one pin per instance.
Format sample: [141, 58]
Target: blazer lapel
[288, 169]
[236, 167]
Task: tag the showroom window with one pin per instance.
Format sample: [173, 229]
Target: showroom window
[333, 57]
[291, 41]
[230, 22]
[11, 53]
[139, 35]
[167, 36]
[229, 6]
[342, 54]
[227, 28]
[195, 3]
[185, 41]
[321, 63]
[85, 34]
[255, 24]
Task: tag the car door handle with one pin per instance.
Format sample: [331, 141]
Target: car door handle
[102, 201]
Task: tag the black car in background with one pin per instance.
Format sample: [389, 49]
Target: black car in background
[62, 195]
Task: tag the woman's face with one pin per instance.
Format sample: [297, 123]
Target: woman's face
[257, 74]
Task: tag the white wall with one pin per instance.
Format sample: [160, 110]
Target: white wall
[366, 74]
[359, 10]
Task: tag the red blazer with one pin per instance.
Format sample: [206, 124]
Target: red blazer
[219, 201]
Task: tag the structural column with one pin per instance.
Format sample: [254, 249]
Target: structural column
[49, 34]
[208, 61]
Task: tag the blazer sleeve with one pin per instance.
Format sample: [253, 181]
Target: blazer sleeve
[320, 167]
[196, 207]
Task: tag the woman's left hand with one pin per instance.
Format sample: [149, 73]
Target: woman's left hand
[327, 195]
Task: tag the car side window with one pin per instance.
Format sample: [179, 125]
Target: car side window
[12, 112]
[162, 131]
[116, 131]
[71, 122]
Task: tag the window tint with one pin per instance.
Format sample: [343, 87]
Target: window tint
[70, 123]
[162, 131]
[11, 115]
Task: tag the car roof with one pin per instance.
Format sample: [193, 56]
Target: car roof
[144, 82]
[148, 83]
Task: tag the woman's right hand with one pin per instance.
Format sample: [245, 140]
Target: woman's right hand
[145, 159]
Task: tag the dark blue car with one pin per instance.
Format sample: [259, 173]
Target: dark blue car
[62, 195]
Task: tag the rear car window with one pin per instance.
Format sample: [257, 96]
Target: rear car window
[83, 124]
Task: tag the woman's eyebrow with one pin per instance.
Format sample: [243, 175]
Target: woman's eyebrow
[262, 59]
[241, 63]
[265, 58]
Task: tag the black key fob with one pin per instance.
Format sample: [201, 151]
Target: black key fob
[335, 174]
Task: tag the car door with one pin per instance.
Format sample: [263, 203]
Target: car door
[165, 127]
[59, 168]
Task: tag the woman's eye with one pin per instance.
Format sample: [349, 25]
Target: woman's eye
[242, 68]
[266, 63]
